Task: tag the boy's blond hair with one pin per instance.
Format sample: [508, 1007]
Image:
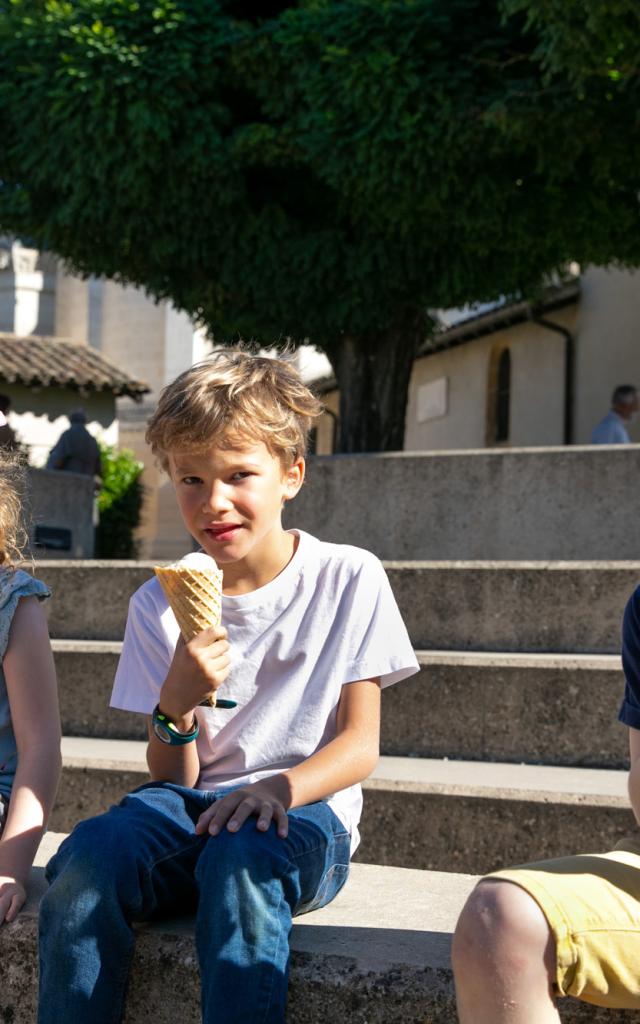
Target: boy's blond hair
[12, 534]
[234, 397]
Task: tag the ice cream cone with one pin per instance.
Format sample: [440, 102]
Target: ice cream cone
[194, 593]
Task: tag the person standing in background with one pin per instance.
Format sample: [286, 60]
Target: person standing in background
[613, 428]
[7, 435]
[76, 450]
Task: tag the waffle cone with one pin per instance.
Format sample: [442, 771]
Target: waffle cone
[195, 598]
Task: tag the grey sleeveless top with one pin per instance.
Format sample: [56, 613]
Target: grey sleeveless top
[13, 585]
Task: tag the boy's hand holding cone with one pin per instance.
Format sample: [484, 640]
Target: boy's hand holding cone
[193, 588]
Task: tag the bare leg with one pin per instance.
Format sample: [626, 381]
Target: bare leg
[504, 958]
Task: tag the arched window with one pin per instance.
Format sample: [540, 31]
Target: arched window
[503, 396]
[499, 395]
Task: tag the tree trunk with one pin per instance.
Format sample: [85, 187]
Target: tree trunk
[373, 373]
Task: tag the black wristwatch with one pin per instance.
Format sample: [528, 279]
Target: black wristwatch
[167, 731]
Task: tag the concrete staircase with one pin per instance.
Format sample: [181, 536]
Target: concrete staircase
[504, 748]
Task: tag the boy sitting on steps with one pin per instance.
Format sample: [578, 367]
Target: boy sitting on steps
[252, 813]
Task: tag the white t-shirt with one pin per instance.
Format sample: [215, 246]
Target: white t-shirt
[328, 619]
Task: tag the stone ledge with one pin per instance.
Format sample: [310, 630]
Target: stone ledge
[472, 705]
[469, 778]
[428, 814]
[463, 704]
[525, 503]
[90, 598]
[562, 607]
[534, 607]
[379, 954]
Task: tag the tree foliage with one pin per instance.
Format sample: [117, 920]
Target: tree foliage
[582, 40]
[119, 503]
[327, 170]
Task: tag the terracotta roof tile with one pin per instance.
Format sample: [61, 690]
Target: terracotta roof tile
[37, 361]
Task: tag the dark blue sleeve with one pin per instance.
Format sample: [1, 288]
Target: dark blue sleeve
[630, 708]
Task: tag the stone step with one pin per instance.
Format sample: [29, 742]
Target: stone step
[90, 598]
[463, 704]
[492, 606]
[86, 670]
[419, 813]
[560, 607]
[493, 706]
[477, 816]
[379, 954]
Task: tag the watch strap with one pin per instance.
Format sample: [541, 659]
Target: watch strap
[167, 731]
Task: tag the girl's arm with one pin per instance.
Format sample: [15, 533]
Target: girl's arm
[347, 759]
[33, 701]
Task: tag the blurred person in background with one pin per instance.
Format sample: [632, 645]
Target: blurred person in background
[76, 450]
[7, 435]
[613, 428]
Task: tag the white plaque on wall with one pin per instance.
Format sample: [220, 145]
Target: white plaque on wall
[432, 400]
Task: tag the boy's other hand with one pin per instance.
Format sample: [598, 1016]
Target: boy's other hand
[196, 671]
[12, 898]
[267, 800]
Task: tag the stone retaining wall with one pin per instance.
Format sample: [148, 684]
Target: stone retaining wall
[575, 503]
[64, 502]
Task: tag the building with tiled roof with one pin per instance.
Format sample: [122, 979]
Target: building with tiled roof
[40, 362]
[68, 342]
[44, 375]
[522, 373]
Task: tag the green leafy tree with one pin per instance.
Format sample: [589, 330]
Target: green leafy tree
[119, 503]
[584, 40]
[328, 170]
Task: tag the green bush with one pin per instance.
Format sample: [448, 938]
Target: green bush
[119, 503]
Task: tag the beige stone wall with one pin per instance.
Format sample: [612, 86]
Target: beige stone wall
[608, 348]
[132, 333]
[71, 308]
[606, 328]
[537, 390]
[538, 357]
[161, 534]
[539, 380]
[465, 370]
[150, 341]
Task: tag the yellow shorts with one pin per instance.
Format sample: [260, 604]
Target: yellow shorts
[592, 904]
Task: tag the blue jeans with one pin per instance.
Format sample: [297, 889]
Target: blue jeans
[141, 860]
